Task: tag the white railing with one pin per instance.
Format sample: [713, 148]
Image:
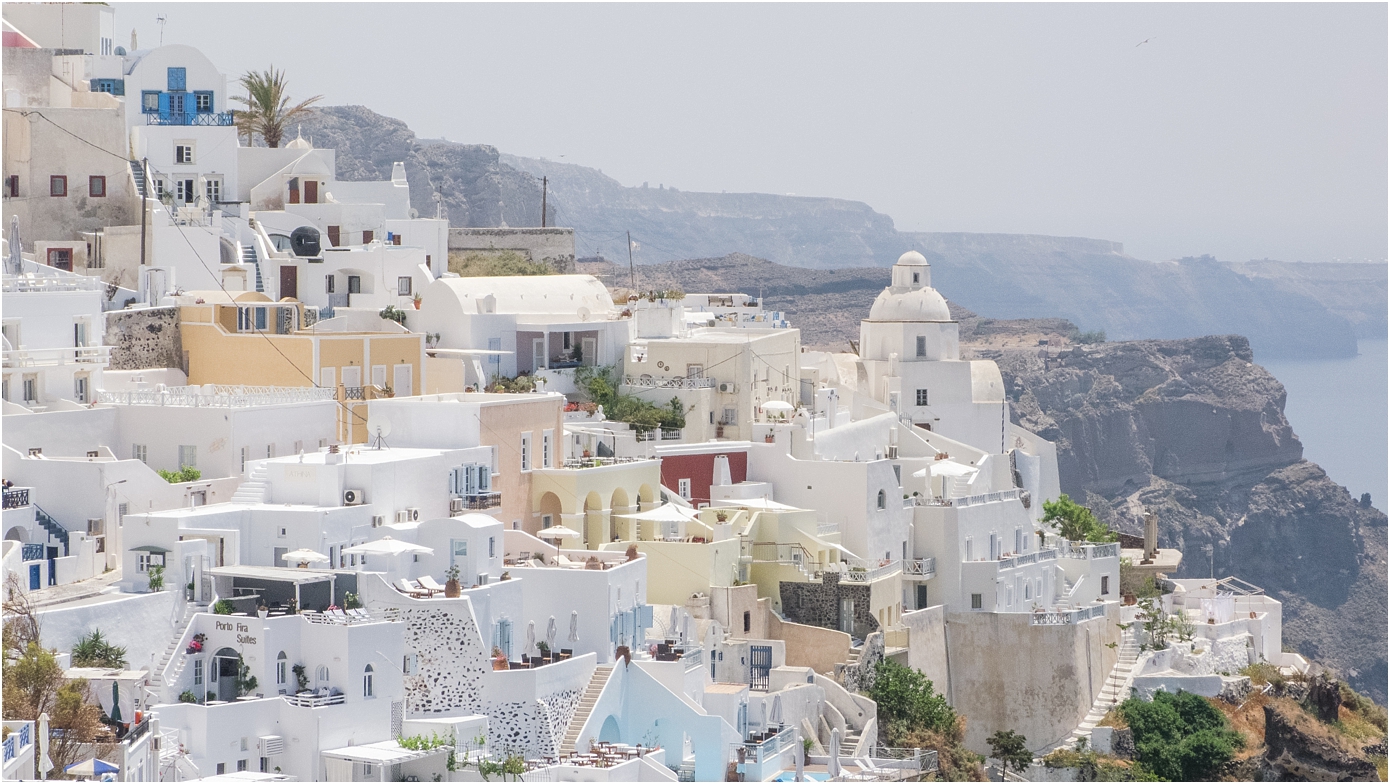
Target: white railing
[986, 498]
[52, 357]
[1066, 617]
[826, 529]
[670, 382]
[599, 462]
[25, 283]
[876, 573]
[222, 396]
[1087, 551]
[920, 567]
[1049, 554]
[313, 700]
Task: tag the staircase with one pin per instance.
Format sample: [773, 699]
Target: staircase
[54, 528]
[175, 648]
[248, 256]
[253, 490]
[137, 170]
[1114, 692]
[586, 706]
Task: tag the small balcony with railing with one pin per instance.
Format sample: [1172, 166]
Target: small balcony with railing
[16, 497]
[84, 356]
[195, 119]
[647, 381]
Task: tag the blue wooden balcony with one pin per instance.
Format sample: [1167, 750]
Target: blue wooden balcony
[190, 118]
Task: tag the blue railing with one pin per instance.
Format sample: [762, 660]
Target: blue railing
[190, 118]
[54, 528]
[32, 552]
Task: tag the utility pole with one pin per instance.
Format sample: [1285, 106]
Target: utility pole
[545, 188]
[631, 270]
[144, 203]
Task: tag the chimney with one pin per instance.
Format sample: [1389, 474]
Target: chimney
[1150, 537]
[722, 475]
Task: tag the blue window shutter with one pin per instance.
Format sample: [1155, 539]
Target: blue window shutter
[178, 79]
[164, 104]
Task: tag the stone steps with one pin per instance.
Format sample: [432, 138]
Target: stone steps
[587, 701]
[1112, 693]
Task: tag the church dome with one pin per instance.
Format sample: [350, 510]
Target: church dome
[913, 259]
[923, 304]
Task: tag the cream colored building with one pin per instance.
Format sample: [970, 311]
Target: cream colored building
[588, 495]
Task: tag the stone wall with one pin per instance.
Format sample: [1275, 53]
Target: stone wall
[553, 246]
[818, 604]
[143, 338]
[926, 651]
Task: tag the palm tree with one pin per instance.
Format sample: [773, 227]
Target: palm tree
[268, 110]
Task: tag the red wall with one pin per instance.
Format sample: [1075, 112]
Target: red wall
[699, 469]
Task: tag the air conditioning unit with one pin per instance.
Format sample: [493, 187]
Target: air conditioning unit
[272, 744]
[892, 451]
[413, 514]
[378, 521]
[403, 516]
[727, 387]
[353, 497]
[455, 505]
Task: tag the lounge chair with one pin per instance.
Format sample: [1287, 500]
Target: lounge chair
[410, 589]
[359, 614]
[430, 585]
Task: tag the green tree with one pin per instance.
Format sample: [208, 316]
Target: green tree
[184, 474]
[601, 384]
[1010, 748]
[94, 650]
[1180, 737]
[268, 109]
[908, 702]
[1075, 522]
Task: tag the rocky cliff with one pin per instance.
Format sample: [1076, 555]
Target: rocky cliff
[1195, 429]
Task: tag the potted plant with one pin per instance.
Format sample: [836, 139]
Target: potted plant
[544, 648]
[262, 610]
[499, 660]
[416, 300]
[452, 590]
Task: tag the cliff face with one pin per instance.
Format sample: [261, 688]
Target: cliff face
[1196, 430]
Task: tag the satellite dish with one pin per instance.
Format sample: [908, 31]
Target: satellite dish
[378, 428]
[583, 313]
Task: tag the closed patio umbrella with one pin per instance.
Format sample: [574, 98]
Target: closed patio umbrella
[834, 767]
[45, 764]
[116, 702]
[574, 626]
[776, 715]
[550, 634]
[15, 264]
[800, 758]
[530, 636]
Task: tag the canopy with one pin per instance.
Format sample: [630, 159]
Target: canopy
[777, 405]
[557, 532]
[151, 548]
[304, 556]
[946, 468]
[666, 513]
[91, 767]
[386, 546]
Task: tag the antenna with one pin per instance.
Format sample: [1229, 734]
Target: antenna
[545, 189]
[381, 427]
[161, 19]
[631, 270]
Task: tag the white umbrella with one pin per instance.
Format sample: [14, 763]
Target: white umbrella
[16, 260]
[834, 767]
[671, 625]
[776, 715]
[386, 546]
[550, 633]
[574, 626]
[777, 405]
[765, 724]
[91, 768]
[45, 764]
[557, 532]
[304, 556]
[800, 752]
[530, 636]
[666, 513]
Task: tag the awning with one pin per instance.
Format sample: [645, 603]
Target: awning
[280, 574]
[666, 513]
[386, 752]
[151, 548]
[946, 468]
[386, 546]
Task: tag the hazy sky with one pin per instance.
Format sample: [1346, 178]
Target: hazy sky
[1241, 130]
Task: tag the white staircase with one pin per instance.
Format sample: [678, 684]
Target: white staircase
[1115, 691]
[157, 680]
[253, 490]
[586, 706]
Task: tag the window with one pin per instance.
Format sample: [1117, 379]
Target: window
[142, 562]
[492, 547]
[977, 601]
[525, 451]
[547, 438]
[112, 86]
[185, 189]
[79, 388]
[1018, 540]
[1105, 585]
[969, 548]
[138, 452]
[60, 258]
[882, 500]
[58, 185]
[367, 690]
[333, 232]
[367, 236]
[265, 764]
[403, 286]
[921, 345]
[354, 284]
[202, 101]
[96, 186]
[923, 399]
[1027, 590]
[281, 666]
[898, 474]
[188, 456]
[241, 763]
[328, 284]
[683, 487]
[221, 768]
[747, 621]
[321, 674]
[214, 189]
[178, 79]
[149, 101]
[197, 672]
[183, 153]
[282, 532]
[12, 186]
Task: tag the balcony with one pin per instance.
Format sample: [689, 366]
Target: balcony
[919, 568]
[57, 357]
[1066, 617]
[660, 434]
[311, 699]
[672, 382]
[480, 501]
[30, 283]
[16, 497]
[1089, 551]
[208, 119]
[31, 552]
[216, 396]
[19, 740]
[579, 463]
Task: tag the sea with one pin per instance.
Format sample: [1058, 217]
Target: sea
[1338, 410]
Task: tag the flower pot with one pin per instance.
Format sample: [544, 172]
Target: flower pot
[262, 611]
[452, 589]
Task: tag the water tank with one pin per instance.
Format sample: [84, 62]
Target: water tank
[304, 241]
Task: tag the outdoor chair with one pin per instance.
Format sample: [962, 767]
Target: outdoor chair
[430, 585]
[408, 588]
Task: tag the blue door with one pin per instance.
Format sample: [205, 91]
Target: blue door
[35, 577]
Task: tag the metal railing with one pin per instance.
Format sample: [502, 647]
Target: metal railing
[51, 357]
[210, 119]
[16, 497]
[767, 749]
[16, 742]
[1066, 617]
[31, 552]
[222, 396]
[482, 501]
[826, 529]
[670, 382]
[863, 575]
[986, 498]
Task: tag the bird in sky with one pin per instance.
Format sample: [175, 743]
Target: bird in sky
[1141, 43]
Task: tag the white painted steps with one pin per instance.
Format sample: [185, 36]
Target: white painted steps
[586, 706]
[1115, 690]
[252, 491]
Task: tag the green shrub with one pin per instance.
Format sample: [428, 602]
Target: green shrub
[601, 384]
[1180, 737]
[223, 607]
[908, 702]
[94, 650]
[185, 474]
[1088, 338]
[480, 263]
[1075, 522]
[1011, 749]
[392, 313]
[188, 696]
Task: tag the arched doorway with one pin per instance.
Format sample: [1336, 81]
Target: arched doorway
[646, 498]
[609, 732]
[619, 506]
[17, 534]
[224, 672]
[595, 526]
[549, 511]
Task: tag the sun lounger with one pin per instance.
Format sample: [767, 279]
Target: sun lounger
[409, 588]
[430, 585]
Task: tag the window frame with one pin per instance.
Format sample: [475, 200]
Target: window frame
[525, 451]
[148, 106]
[96, 186]
[198, 96]
[923, 398]
[58, 186]
[404, 286]
[179, 158]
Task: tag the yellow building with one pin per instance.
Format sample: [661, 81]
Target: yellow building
[245, 338]
[588, 495]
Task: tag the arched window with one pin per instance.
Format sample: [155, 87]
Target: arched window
[321, 674]
[882, 500]
[282, 667]
[367, 690]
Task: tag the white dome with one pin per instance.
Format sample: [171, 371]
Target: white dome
[923, 304]
[913, 259]
[298, 143]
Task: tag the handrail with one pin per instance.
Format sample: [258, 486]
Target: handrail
[313, 700]
[920, 566]
[31, 283]
[1066, 617]
[214, 119]
[1087, 551]
[16, 497]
